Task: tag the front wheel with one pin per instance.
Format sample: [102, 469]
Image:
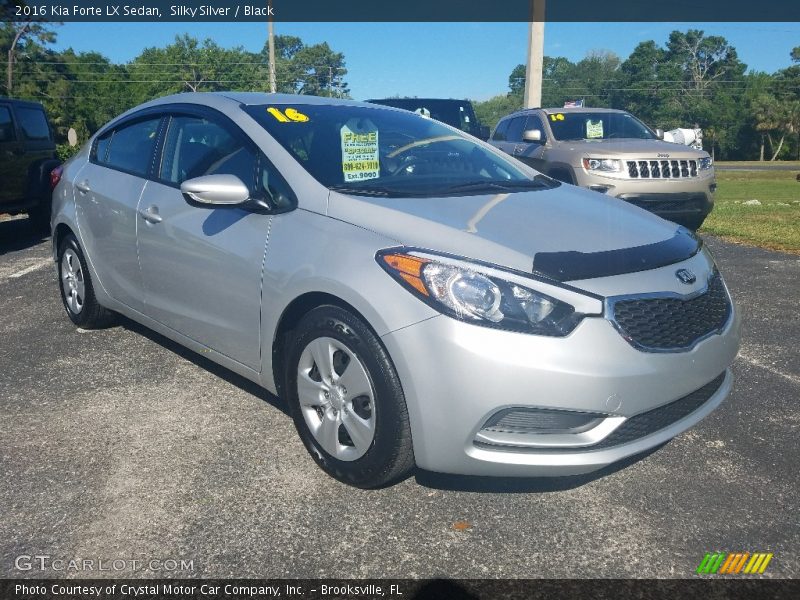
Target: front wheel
[346, 400]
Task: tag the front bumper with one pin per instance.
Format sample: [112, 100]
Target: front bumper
[456, 376]
[685, 201]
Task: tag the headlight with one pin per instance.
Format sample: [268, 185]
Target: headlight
[705, 163]
[610, 165]
[466, 294]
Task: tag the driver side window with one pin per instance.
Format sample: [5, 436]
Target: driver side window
[196, 146]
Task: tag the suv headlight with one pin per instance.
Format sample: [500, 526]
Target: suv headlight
[610, 165]
[705, 163]
[466, 294]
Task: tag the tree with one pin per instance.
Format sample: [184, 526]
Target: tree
[301, 69]
[27, 34]
[773, 115]
[563, 80]
[491, 111]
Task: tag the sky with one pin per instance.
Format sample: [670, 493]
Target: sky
[449, 60]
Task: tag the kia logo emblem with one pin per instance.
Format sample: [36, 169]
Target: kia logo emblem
[685, 276]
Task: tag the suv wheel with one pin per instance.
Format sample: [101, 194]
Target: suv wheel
[77, 292]
[346, 400]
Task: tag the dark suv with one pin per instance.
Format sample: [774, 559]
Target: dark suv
[27, 156]
[458, 113]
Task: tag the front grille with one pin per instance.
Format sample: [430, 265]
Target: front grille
[665, 323]
[667, 203]
[638, 426]
[662, 169]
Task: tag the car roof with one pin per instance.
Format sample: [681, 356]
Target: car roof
[418, 100]
[221, 99]
[29, 103]
[563, 110]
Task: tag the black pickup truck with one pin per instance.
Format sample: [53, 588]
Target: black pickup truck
[27, 156]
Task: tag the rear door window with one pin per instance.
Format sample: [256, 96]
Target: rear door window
[130, 148]
[33, 123]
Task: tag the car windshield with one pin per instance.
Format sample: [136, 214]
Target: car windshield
[375, 150]
[598, 126]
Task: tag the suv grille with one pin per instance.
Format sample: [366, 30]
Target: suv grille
[662, 169]
[669, 323]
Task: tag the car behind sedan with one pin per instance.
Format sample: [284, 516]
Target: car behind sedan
[415, 296]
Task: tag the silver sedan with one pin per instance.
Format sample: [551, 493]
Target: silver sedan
[413, 294]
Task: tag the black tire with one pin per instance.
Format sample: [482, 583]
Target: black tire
[390, 455]
[90, 315]
[562, 175]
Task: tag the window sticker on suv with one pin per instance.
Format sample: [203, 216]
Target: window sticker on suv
[594, 129]
[360, 159]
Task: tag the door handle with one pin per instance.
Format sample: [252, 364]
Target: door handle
[151, 215]
[83, 187]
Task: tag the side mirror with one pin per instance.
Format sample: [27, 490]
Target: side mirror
[660, 134]
[532, 135]
[484, 132]
[215, 190]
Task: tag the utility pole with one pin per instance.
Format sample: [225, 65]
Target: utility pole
[273, 87]
[533, 72]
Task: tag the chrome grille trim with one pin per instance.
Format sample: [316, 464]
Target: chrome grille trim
[661, 169]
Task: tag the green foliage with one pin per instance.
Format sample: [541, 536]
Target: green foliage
[85, 90]
[492, 110]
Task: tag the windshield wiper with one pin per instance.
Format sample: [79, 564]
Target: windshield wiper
[365, 191]
[503, 186]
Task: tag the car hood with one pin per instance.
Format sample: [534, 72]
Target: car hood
[631, 148]
[508, 229]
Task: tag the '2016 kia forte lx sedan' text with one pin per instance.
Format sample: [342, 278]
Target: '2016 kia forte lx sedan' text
[416, 296]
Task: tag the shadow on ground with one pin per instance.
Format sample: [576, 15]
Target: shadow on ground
[18, 234]
[201, 361]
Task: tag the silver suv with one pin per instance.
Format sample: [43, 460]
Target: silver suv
[612, 152]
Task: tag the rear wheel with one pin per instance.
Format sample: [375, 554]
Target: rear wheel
[77, 291]
[346, 400]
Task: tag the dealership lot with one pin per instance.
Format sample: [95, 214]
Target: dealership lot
[120, 445]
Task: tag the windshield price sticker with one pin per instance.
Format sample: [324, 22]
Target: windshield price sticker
[289, 115]
[594, 129]
[360, 160]
[558, 117]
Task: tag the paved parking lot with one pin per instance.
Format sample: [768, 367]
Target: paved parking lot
[119, 444]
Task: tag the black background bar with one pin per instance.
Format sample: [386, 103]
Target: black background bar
[406, 10]
[712, 587]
